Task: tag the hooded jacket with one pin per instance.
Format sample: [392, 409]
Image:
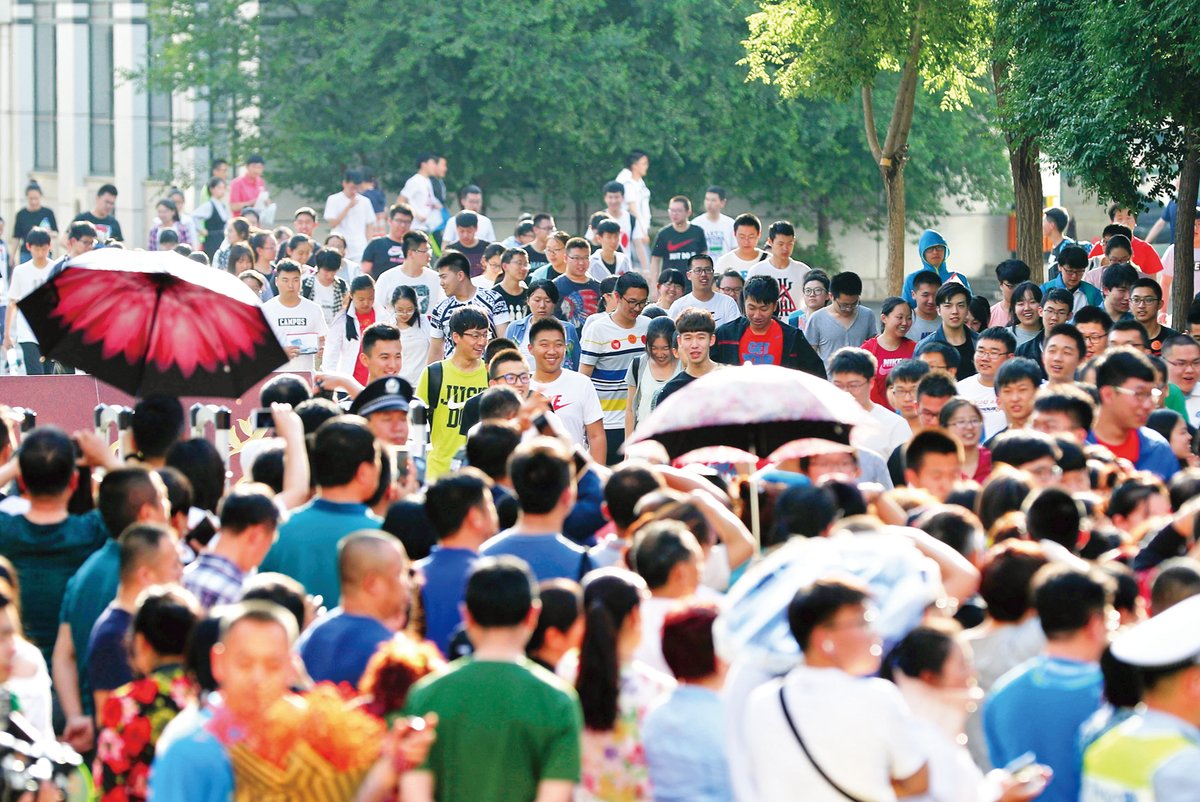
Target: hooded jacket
[930, 238]
[797, 353]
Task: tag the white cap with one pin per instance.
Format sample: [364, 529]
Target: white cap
[1171, 637]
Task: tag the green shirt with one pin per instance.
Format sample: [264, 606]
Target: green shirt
[88, 594]
[46, 556]
[458, 387]
[502, 729]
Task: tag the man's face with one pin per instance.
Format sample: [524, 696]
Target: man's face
[1193, 331]
[1061, 358]
[577, 263]
[399, 225]
[902, 396]
[846, 305]
[633, 302]
[926, 297]
[609, 240]
[451, 280]
[781, 247]
[989, 356]
[815, 295]
[473, 202]
[678, 213]
[419, 256]
[1132, 339]
[253, 667]
[105, 204]
[256, 169]
[1117, 299]
[935, 255]
[305, 224]
[713, 204]
[747, 237]
[167, 567]
[556, 254]
[701, 273]
[929, 408]
[953, 311]
[389, 426]
[759, 314]
[466, 235]
[694, 346]
[935, 361]
[221, 171]
[517, 267]
[542, 231]
[383, 360]
[1144, 305]
[8, 642]
[1048, 228]
[40, 253]
[78, 247]
[548, 350]
[1095, 336]
[1183, 366]
[540, 304]
[288, 285]
[1131, 403]
[392, 589]
[1015, 400]
[515, 374]
[1054, 313]
[937, 474]
[669, 293]
[1053, 424]
[1072, 276]
[613, 201]
[836, 465]
[732, 286]
[1125, 217]
[853, 384]
[473, 340]
[442, 167]
[350, 188]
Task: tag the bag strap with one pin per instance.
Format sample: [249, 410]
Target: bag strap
[792, 726]
[435, 386]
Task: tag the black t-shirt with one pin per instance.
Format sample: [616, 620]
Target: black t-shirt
[474, 255]
[536, 258]
[1156, 343]
[106, 227]
[966, 359]
[518, 305]
[676, 249]
[673, 385]
[383, 253]
[27, 220]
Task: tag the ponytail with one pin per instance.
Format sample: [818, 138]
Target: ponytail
[609, 596]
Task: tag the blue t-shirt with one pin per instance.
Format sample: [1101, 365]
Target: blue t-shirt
[195, 767]
[108, 658]
[550, 556]
[1039, 707]
[445, 571]
[338, 647]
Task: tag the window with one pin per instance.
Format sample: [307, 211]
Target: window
[159, 114]
[100, 79]
[45, 83]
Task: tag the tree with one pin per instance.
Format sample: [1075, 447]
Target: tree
[1114, 121]
[839, 48]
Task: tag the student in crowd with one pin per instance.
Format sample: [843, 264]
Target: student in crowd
[891, 346]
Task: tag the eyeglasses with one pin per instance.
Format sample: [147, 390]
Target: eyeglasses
[578, 258]
[423, 250]
[850, 387]
[1046, 473]
[1184, 364]
[966, 423]
[1142, 396]
[904, 392]
[1143, 300]
[989, 353]
[846, 308]
[475, 335]
[1074, 271]
[514, 378]
[1095, 338]
[813, 292]
[701, 271]
[635, 304]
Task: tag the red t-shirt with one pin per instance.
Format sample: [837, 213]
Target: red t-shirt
[1131, 449]
[887, 360]
[360, 370]
[1144, 255]
[765, 349]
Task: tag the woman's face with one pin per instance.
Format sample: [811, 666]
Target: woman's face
[253, 284]
[268, 250]
[1181, 440]
[243, 263]
[973, 324]
[660, 351]
[405, 309]
[1028, 310]
[302, 252]
[815, 296]
[218, 191]
[33, 200]
[957, 672]
[540, 304]
[899, 320]
[337, 244]
[164, 214]
[363, 300]
[231, 232]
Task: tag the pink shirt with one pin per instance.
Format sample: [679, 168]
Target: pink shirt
[245, 189]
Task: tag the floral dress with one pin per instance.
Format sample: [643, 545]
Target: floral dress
[614, 763]
[131, 720]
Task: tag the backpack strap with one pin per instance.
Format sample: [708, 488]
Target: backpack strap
[435, 387]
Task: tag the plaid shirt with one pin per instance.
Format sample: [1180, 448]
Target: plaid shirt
[214, 579]
[340, 290]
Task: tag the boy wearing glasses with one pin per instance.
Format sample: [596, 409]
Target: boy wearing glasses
[1072, 264]
[1145, 299]
[447, 385]
[721, 306]
[1126, 382]
[579, 294]
[844, 322]
[412, 271]
[852, 370]
[572, 396]
[995, 347]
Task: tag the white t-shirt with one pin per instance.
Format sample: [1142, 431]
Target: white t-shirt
[719, 234]
[599, 271]
[418, 191]
[573, 398]
[354, 225]
[624, 220]
[859, 730]
[323, 297]
[893, 431]
[723, 308]
[972, 389]
[637, 197]
[731, 261]
[485, 232]
[302, 325]
[414, 356]
[25, 279]
[791, 284]
[428, 289]
[1168, 261]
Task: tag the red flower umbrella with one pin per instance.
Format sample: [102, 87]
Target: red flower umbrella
[154, 322]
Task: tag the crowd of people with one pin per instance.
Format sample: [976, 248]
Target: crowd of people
[451, 522]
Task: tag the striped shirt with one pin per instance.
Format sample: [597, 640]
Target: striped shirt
[486, 301]
[611, 349]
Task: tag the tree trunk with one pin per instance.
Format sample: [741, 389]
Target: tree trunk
[1183, 286]
[824, 232]
[1027, 190]
[893, 182]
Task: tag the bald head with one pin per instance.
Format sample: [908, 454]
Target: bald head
[366, 553]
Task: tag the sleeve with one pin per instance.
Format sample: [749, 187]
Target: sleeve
[116, 231]
[107, 664]
[335, 342]
[368, 254]
[589, 353]
[591, 403]
[500, 314]
[563, 748]
[572, 359]
[437, 319]
[813, 333]
[660, 245]
[907, 754]
[331, 210]
[20, 229]
[16, 285]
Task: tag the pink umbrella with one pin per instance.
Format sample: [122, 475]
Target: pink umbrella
[808, 447]
[717, 455]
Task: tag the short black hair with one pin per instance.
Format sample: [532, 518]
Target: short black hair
[1018, 369]
[450, 498]
[378, 332]
[1059, 296]
[761, 290]
[857, 361]
[546, 324]
[925, 277]
[1054, 514]
[500, 592]
[806, 510]
[244, 508]
[165, 617]
[468, 318]
[1134, 326]
[1001, 335]
[781, 227]
[1014, 271]
[340, 446]
[562, 604]
[540, 471]
[46, 461]
[845, 284]
[139, 544]
[1119, 365]
[1006, 578]
[818, 603]
[1073, 256]
[658, 547]
[1118, 275]
[1094, 314]
[949, 290]
[500, 401]
[454, 261]
[630, 281]
[1068, 400]
[1067, 330]
[1058, 216]
[1067, 598]
[1017, 447]
[614, 186]
[929, 441]
[490, 445]
[122, 494]
[80, 229]
[670, 276]
[628, 485]
[937, 384]
[908, 370]
[284, 389]
[157, 424]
